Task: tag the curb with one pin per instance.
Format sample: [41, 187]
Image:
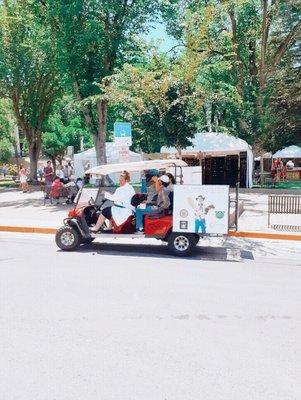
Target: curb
[243, 234]
[27, 229]
[265, 235]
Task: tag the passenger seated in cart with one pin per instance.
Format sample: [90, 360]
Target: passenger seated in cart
[122, 208]
[154, 187]
[172, 181]
[162, 203]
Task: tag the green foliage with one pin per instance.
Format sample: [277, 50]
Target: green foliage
[162, 104]
[5, 150]
[94, 38]
[284, 119]
[64, 128]
[236, 69]
[239, 47]
[27, 69]
[6, 120]
[28, 75]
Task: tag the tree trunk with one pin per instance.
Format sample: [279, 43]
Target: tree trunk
[53, 165]
[34, 153]
[100, 137]
[264, 45]
[208, 113]
[253, 70]
[238, 61]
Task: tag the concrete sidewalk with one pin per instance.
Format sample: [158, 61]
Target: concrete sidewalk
[255, 215]
[27, 210]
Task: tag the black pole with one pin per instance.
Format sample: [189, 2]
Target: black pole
[237, 206]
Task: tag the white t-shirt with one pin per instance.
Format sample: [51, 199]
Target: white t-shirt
[60, 173]
[122, 197]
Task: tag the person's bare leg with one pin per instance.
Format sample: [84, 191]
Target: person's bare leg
[100, 221]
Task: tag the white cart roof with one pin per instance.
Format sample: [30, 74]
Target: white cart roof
[288, 152]
[107, 169]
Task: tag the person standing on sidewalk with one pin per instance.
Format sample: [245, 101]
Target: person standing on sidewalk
[23, 179]
[48, 174]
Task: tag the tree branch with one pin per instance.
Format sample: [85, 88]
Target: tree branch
[284, 45]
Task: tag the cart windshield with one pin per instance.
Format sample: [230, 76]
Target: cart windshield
[85, 195]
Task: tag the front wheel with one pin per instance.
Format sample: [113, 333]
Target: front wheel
[181, 244]
[67, 238]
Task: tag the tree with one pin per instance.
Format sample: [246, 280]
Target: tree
[254, 37]
[93, 37]
[28, 76]
[160, 99]
[64, 128]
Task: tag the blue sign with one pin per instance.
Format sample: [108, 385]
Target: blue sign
[123, 133]
[122, 129]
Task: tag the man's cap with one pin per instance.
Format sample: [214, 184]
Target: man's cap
[201, 197]
[152, 172]
[164, 178]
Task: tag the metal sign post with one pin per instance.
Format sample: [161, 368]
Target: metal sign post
[123, 139]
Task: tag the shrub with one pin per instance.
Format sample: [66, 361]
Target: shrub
[12, 169]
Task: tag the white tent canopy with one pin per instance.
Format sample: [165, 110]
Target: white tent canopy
[218, 144]
[87, 159]
[288, 152]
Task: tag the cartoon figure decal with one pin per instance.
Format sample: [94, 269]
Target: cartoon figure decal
[201, 209]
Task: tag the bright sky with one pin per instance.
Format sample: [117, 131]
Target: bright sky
[158, 34]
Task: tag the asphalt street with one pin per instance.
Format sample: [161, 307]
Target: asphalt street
[128, 321]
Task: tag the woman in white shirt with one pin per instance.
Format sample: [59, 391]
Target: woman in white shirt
[122, 207]
[59, 172]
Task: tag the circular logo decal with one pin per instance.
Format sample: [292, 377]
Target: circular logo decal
[219, 214]
[183, 213]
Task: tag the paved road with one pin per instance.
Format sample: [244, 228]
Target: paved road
[139, 324]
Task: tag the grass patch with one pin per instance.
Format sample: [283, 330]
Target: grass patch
[288, 185]
[8, 184]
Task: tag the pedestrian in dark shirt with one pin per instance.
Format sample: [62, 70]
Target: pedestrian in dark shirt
[48, 173]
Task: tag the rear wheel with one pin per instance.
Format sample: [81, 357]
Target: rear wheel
[181, 244]
[67, 238]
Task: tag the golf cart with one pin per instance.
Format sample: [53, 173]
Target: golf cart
[198, 210]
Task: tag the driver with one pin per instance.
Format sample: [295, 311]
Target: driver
[122, 207]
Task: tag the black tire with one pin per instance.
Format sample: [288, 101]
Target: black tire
[67, 238]
[87, 240]
[182, 244]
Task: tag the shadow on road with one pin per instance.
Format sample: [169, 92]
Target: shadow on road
[23, 203]
[161, 251]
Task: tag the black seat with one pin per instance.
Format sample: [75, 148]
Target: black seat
[137, 199]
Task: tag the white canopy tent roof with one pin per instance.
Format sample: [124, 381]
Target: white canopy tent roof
[219, 144]
[87, 159]
[288, 152]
